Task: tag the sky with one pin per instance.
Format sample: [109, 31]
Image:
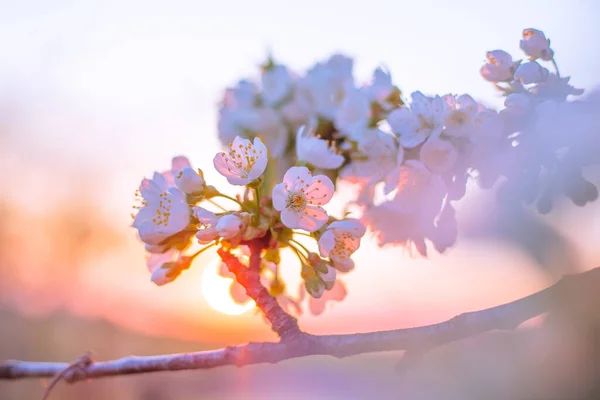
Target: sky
[105, 92]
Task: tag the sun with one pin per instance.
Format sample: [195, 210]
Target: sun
[215, 289]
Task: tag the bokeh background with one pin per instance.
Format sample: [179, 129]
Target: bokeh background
[95, 95]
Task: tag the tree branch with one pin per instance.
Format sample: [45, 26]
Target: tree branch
[282, 323]
[504, 317]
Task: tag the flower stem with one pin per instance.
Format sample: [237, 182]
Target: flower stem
[303, 259]
[232, 199]
[217, 205]
[301, 245]
[257, 196]
[196, 254]
[555, 67]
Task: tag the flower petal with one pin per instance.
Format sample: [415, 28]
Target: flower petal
[279, 196]
[320, 191]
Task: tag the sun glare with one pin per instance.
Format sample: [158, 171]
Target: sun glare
[215, 289]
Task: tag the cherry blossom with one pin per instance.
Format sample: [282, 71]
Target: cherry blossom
[315, 151]
[438, 155]
[531, 72]
[207, 231]
[377, 153]
[424, 118]
[189, 181]
[166, 267]
[352, 116]
[535, 44]
[244, 163]
[500, 66]
[164, 210]
[276, 84]
[230, 225]
[299, 199]
[340, 241]
[381, 88]
[459, 115]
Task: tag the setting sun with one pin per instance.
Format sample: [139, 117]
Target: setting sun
[216, 291]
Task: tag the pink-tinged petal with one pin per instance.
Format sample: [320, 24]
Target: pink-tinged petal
[262, 157]
[415, 138]
[401, 120]
[351, 224]
[156, 260]
[343, 264]
[225, 272]
[144, 215]
[207, 235]
[326, 243]
[338, 292]
[178, 220]
[160, 181]
[204, 216]
[467, 104]
[161, 277]
[391, 180]
[313, 218]
[291, 218]
[320, 191]
[279, 196]
[148, 234]
[438, 155]
[222, 165]
[238, 293]
[147, 188]
[296, 174]
[180, 162]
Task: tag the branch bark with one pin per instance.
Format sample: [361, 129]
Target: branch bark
[281, 322]
[503, 317]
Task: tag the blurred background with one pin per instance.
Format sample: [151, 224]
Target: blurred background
[95, 95]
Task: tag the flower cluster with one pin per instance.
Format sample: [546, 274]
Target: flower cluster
[291, 138]
[175, 206]
[546, 141]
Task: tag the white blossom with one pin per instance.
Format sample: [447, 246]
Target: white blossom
[244, 163]
[340, 241]
[164, 210]
[316, 151]
[438, 155]
[230, 226]
[277, 83]
[499, 68]
[381, 88]
[208, 220]
[354, 112]
[189, 181]
[424, 118]
[299, 199]
[531, 72]
[377, 154]
[535, 44]
[459, 115]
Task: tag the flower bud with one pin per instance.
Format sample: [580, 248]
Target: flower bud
[535, 44]
[164, 275]
[190, 181]
[531, 72]
[315, 287]
[328, 278]
[317, 263]
[229, 226]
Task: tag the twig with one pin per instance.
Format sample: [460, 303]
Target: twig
[504, 317]
[80, 363]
